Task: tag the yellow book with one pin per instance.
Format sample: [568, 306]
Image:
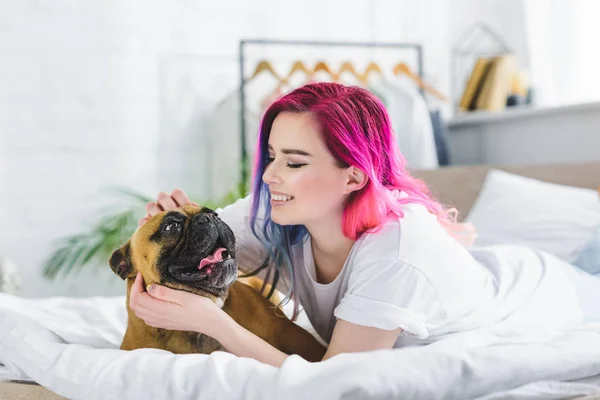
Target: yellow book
[498, 82]
[484, 91]
[474, 83]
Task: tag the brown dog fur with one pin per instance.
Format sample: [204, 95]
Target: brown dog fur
[242, 301]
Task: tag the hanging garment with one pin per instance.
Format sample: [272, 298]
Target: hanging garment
[223, 133]
[440, 134]
[410, 120]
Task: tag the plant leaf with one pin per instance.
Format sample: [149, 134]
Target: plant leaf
[55, 262]
[111, 232]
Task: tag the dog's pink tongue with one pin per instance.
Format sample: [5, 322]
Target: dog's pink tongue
[214, 258]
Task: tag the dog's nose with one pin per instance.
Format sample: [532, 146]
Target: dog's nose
[202, 218]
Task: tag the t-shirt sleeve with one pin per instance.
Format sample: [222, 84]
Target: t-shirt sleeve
[249, 251]
[390, 295]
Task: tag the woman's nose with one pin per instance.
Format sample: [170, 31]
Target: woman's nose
[271, 174]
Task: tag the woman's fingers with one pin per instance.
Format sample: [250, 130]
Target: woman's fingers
[166, 202]
[152, 209]
[138, 299]
[180, 197]
[136, 289]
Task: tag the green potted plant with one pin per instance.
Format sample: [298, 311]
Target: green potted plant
[114, 228]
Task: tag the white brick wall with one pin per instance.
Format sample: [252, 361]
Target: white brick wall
[99, 93]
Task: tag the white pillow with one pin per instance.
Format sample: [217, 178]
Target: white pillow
[512, 209]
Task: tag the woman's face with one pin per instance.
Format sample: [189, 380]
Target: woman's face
[306, 185]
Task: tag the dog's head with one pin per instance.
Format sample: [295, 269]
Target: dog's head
[188, 248]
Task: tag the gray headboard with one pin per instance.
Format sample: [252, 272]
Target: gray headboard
[458, 186]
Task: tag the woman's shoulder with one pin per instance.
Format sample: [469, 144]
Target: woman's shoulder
[381, 244]
[380, 259]
[403, 238]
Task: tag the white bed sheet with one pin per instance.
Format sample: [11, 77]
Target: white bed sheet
[71, 346]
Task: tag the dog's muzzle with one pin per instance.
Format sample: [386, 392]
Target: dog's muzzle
[207, 258]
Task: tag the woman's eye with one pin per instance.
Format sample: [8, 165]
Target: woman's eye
[289, 164]
[292, 165]
[173, 226]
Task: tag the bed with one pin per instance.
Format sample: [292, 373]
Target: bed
[558, 365]
[459, 186]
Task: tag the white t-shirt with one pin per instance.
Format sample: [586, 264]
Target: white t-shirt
[413, 275]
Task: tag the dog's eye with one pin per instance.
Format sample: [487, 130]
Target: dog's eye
[172, 226]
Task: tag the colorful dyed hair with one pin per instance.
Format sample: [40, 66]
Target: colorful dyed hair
[357, 132]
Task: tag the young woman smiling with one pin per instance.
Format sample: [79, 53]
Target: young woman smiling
[375, 261]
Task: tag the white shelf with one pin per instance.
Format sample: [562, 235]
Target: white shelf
[517, 112]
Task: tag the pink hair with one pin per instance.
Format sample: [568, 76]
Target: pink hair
[357, 132]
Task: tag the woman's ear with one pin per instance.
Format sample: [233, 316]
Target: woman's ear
[357, 179]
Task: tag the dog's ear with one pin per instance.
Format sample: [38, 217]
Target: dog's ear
[120, 261]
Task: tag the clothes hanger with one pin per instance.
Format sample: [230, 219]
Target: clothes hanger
[298, 66]
[322, 66]
[372, 67]
[349, 67]
[402, 68]
[265, 66]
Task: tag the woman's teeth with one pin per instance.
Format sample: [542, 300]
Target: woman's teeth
[281, 197]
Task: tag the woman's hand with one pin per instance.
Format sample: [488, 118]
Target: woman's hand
[165, 202]
[163, 307]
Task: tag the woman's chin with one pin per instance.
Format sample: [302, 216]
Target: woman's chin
[281, 219]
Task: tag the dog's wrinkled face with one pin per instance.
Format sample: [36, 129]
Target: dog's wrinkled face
[188, 248]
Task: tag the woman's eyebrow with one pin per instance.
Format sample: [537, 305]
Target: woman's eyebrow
[292, 151]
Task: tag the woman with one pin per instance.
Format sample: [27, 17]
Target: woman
[374, 260]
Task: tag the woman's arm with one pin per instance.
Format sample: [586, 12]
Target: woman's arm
[351, 338]
[167, 308]
[347, 338]
[238, 340]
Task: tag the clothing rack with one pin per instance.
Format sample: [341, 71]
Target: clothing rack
[244, 43]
